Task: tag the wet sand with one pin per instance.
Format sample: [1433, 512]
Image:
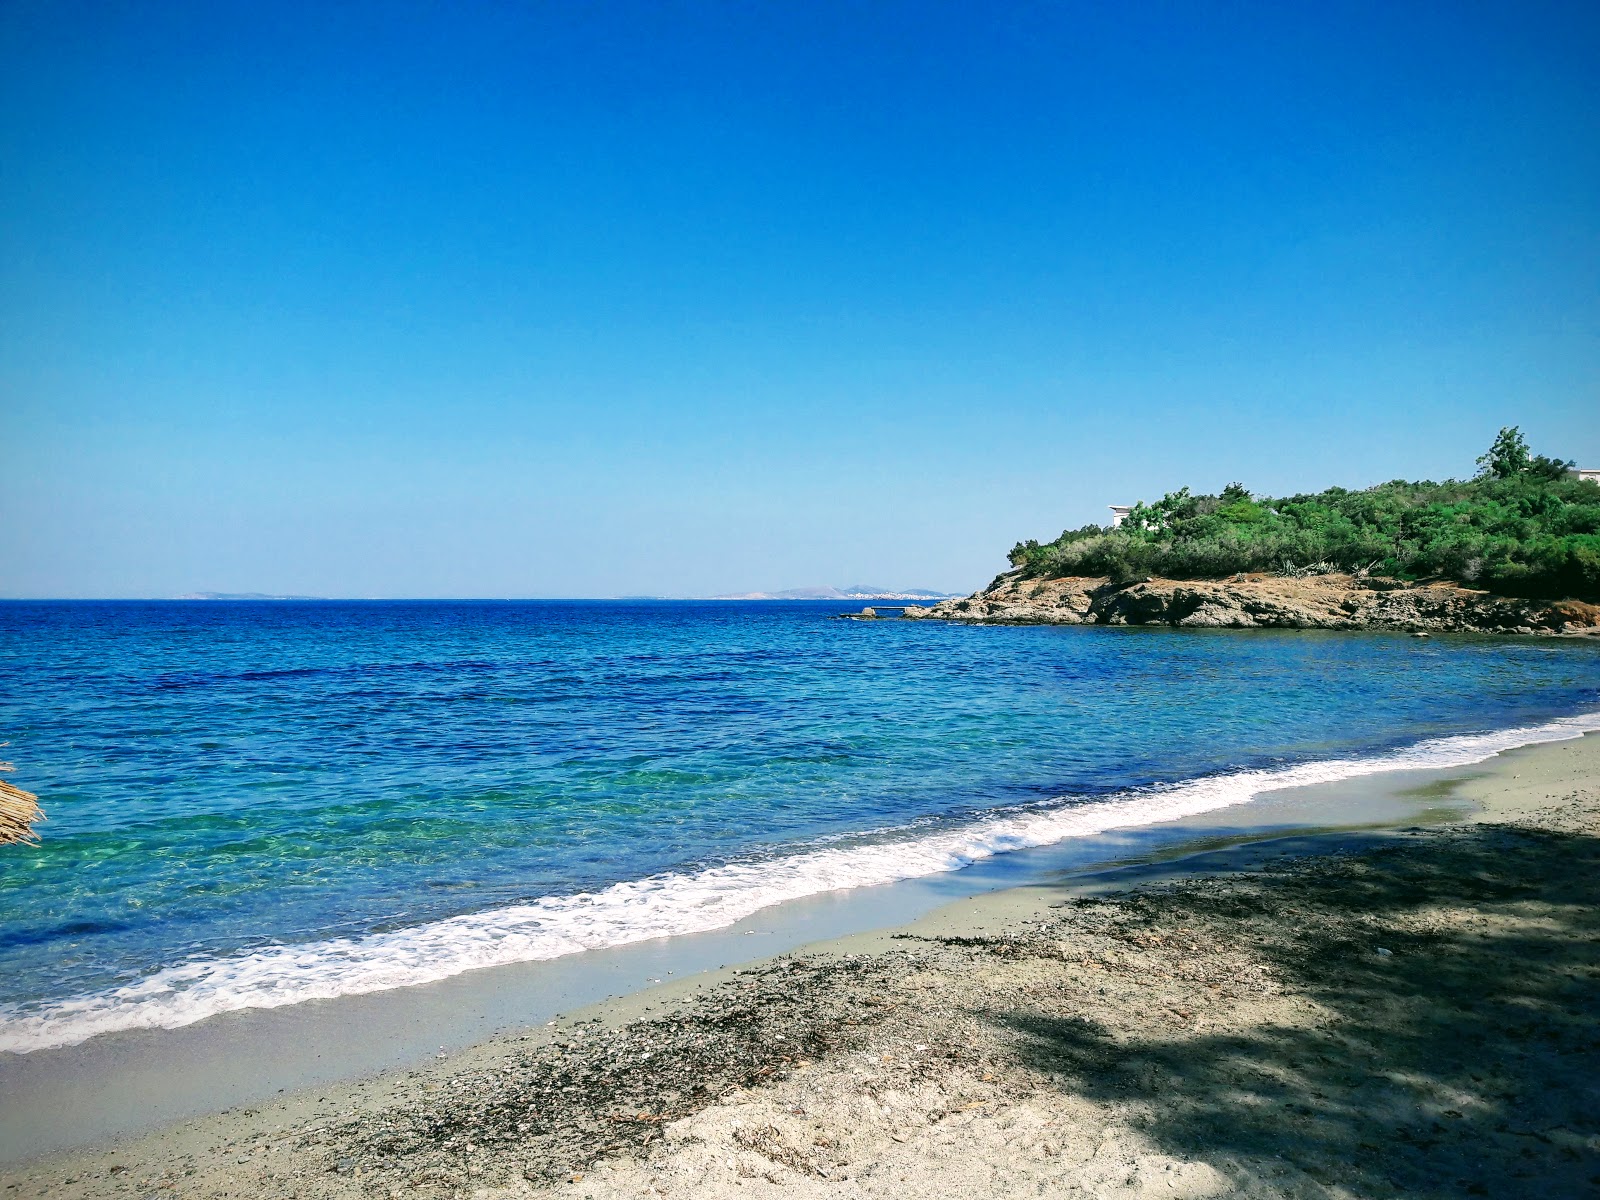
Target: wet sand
[1351, 1014]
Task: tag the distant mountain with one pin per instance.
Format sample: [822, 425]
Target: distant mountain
[855, 592]
[241, 596]
[866, 591]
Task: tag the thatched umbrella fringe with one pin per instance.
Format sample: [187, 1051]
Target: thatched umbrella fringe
[19, 811]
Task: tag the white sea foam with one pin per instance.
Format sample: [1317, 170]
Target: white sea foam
[669, 904]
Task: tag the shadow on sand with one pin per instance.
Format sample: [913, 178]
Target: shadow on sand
[1462, 1062]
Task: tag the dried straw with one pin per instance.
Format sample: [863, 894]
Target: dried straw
[18, 812]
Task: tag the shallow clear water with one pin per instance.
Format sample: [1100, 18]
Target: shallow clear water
[260, 803]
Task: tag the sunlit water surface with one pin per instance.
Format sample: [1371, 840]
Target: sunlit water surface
[259, 803]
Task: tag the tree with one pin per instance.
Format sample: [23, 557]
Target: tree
[1508, 456]
[1549, 469]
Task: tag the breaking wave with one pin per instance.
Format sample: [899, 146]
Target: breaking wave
[677, 903]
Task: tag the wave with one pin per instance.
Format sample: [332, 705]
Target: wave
[677, 903]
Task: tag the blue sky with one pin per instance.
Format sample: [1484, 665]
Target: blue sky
[518, 299]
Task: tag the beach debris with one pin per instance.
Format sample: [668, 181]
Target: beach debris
[19, 812]
[1383, 953]
[617, 1089]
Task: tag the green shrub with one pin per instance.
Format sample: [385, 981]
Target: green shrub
[1519, 527]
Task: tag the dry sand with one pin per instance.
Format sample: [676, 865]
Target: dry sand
[1416, 1016]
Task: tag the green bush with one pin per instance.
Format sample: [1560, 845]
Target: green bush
[1520, 527]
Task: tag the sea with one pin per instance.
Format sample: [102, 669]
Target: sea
[258, 804]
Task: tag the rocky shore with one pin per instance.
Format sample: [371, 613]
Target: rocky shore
[1413, 1016]
[1265, 601]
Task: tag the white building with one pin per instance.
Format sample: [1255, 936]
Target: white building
[1119, 513]
[1590, 474]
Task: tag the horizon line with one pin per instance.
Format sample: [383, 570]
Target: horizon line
[433, 599]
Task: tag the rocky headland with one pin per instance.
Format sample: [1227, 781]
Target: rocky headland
[1260, 601]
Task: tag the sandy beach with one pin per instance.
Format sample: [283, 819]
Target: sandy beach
[1409, 1012]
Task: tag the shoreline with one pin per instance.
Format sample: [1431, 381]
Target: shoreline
[147, 1079]
[808, 893]
[817, 1000]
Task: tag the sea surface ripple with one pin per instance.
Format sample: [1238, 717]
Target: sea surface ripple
[257, 804]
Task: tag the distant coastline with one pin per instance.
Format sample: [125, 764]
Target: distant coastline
[857, 592]
[824, 592]
[241, 596]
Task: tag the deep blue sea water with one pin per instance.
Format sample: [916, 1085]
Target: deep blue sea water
[261, 803]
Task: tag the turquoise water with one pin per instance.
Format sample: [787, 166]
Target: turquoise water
[256, 804]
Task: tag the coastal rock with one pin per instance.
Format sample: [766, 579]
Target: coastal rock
[1266, 602]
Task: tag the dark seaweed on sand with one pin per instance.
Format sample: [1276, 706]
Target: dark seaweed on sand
[596, 1091]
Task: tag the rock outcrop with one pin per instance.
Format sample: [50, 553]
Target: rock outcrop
[1265, 602]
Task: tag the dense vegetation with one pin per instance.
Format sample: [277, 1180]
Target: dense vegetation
[1520, 527]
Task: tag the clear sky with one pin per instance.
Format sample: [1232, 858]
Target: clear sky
[542, 299]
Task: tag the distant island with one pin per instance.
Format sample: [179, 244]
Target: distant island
[241, 596]
[859, 591]
[1516, 549]
[856, 592]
